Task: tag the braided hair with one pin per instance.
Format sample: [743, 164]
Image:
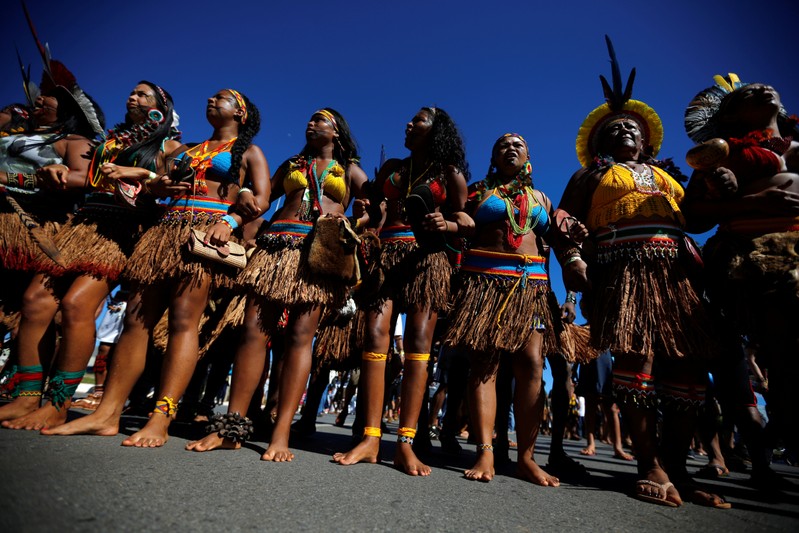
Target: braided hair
[247, 132]
[144, 153]
[446, 144]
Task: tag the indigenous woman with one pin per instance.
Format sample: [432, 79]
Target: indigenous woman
[414, 271]
[753, 196]
[166, 275]
[57, 145]
[97, 242]
[318, 182]
[501, 302]
[642, 306]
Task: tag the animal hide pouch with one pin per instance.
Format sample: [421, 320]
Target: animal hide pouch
[334, 249]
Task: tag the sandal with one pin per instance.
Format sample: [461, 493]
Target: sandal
[659, 500]
[712, 471]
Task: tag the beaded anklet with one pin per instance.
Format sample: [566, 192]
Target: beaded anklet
[166, 406]
[406, 435]
[485, 448]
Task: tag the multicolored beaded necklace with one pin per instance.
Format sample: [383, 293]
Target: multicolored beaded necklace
[310, 199]
[203, 159]
[517, 195]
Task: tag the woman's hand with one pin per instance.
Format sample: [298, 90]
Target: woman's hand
[721, 183]
[53, 176]
[575, 276]
[360, 206]
[247, 204]
[435, 222]
[568, 312]
[116, 172]
[164, 187]
[218, 235]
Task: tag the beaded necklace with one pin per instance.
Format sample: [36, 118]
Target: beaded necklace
[310, 198]
[412, 184]
[203, 159]
[644, 181]
[517, 194]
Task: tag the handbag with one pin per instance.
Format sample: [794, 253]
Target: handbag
[334, 250]
[231, 254]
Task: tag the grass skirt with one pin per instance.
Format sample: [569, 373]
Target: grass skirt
[411, 276]
[497, 309]
[100, 238]
[278, 271]
[18, 250]
[642, 301]
[162, 254]
[336, 346]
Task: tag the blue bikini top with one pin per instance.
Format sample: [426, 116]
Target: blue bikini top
[219, 169]
[493, 209]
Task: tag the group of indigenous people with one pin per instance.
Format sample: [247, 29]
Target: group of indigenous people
[82, 210]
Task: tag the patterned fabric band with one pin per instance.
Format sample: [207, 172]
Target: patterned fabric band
[28, 381]
[634, 389]
[406, 440]
[762, 226]
[406, 432]
[240, 101]
[680, 396]
[527, 267]
[372, 432]
[329, 117]
[485, 447]
[62, 387]
[166, 406]
[374, 356]
[192, 209]
[635, 240]
[417, 356]
[292, 228]
[397, 234]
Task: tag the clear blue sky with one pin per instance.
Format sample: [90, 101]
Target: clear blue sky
[530, 67]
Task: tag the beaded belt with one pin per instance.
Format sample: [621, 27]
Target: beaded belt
[283, 233]
[636, 240]
[529, 267]
[397, 234]
[198, 208]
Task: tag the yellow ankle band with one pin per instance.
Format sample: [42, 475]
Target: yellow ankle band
[374, 356]
[406, 432]
[372, 432]
[417, 356]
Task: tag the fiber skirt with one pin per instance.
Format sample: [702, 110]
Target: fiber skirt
[500, 300]
[408, 275]
[18, 250]
[642, 302]
[162, 254]
[100, 238]
[278, 271]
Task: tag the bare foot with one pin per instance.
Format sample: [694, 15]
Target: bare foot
[45, 416]
[656, 488]
[588, 450]
[96, 423]
[152, 435]
[483, 469]
[213, 441]
[527, 469]
[621, 454]
[19, 407]
[406, 460]
[278, 453]
[367, 451]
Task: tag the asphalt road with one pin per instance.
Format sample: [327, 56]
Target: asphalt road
[93, 484]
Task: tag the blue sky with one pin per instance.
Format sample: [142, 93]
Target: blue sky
[530, 67]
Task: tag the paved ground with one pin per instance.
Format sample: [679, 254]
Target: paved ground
[93, 484]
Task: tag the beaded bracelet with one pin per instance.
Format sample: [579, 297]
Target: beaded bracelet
[572, 259]
[245, 189]
[571, 297]
[230, 221]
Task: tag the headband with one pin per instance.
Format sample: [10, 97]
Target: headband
[240, 101]
[329, 117]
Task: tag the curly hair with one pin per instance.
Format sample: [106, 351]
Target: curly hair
[446, 144]
[247, 132]
[144, 153]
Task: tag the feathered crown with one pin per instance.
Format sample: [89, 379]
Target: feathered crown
[617, 103]
[59, 82]
[700, 115]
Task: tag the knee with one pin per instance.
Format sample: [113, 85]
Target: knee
[182, 320]
[38, 303]
[75, 309]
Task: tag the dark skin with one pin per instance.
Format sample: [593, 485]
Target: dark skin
[184, 299]
[248, 366]
[509, 157]
[420, 322]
